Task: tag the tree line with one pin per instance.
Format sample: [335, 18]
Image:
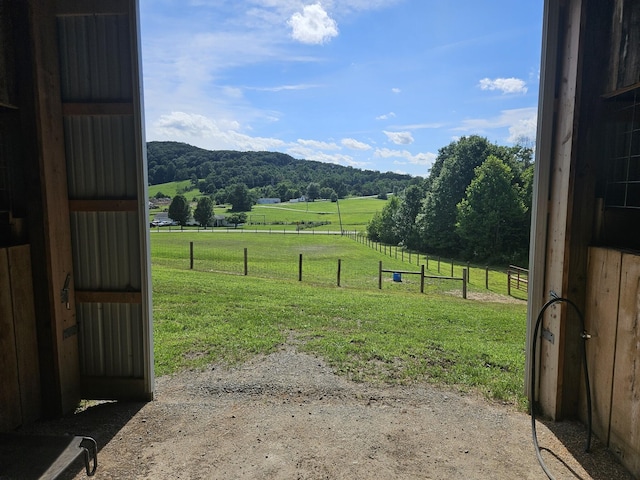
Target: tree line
[265, 174]
[475, 204]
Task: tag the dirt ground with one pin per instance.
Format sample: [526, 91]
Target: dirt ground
[288, 416]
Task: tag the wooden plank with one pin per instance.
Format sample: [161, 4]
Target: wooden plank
[10, 410]
[49, 214]
[24, 319]
[601, 318]
[92, 7]
[103, 205]
[97, 109]
[552, 355]
[84, 296]
[542, 183]
[624, 438]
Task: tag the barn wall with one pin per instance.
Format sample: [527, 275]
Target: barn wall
[586, 232]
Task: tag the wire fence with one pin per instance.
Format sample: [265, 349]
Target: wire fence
[322, 259]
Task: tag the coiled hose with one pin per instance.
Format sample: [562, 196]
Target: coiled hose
[532, 390]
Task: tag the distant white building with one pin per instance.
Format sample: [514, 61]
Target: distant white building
[268, 201]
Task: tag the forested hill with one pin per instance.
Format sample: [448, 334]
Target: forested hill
[215, 170]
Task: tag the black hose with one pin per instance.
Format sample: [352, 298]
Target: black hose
[532, 390]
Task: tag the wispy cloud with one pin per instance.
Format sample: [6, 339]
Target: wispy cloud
[505, 85]
[313, 25]
[319, 145]
[204, 132]
[282, 88]
[386, 116]
[396, 90]
[354, 144]
[425, 159]
[399, 138]
[520, 122]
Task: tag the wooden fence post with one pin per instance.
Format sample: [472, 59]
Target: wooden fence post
[486, 277]
[191, 255]
[508, 282]
[246, 262]
[380, 275]
[464, 283]
[422, 279]
[438, 263]
[452, 267]
[339, 269]
[426, 258]
[300, 268]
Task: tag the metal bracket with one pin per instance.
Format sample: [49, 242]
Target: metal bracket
[64, 293]
[547, 335]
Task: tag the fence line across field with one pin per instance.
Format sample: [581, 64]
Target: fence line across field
[319, 265]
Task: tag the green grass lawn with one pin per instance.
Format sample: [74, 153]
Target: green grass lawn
[354, 212]
[393, 335]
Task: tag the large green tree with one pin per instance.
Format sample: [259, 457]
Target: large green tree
[404, 218]
[239, 197]
[447, 183]
[179, 210]
[203, 214]
[313, 191]
[491, 216]
[381, 228]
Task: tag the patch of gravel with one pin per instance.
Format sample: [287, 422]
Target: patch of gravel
[288, 416]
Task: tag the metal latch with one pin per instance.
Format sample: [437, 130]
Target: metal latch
[64, 293]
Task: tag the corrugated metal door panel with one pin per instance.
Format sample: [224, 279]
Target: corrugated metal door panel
[111, 340]
[95, 53]
[100, 157]
[105, 248]
[106, 171]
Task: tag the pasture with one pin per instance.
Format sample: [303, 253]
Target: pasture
[215, 313]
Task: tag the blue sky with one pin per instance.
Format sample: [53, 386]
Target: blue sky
[373, 84]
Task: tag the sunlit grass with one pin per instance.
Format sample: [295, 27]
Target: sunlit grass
[393, 335]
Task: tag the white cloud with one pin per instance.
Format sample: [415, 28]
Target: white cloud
[523, 128]
[203, 132]
[354, 144]
[399, 138]
[319, 145]
[281, 88]
[505, 85]
[313, 25]
[386, 116]
[425, 159]
[304, 152]
[396, 90]
[520, 122]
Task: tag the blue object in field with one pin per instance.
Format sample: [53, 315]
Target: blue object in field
[397, 277]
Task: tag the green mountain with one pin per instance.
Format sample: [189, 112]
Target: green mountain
[271, 171]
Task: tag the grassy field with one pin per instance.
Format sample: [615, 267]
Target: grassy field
[393, 335]
[354, 212]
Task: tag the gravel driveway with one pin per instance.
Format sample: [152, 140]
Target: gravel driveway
[288, 416]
